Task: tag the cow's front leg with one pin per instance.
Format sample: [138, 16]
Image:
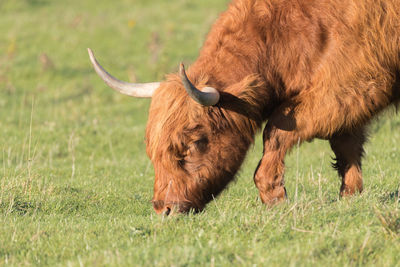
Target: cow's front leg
[348, 148]
[279, 136]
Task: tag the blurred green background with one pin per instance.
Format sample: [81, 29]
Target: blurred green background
[76, 183]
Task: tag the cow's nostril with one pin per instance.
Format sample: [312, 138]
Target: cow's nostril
[167, 211]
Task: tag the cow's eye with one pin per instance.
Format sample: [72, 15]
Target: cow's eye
[201, 144]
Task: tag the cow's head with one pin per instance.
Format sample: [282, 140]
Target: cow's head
[196, 139]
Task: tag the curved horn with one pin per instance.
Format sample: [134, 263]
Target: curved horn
[208, 96]
[131, 89]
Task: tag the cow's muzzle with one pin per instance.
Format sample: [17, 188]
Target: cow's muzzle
[171, 208]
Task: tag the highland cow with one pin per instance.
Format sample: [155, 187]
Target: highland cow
[310, 69]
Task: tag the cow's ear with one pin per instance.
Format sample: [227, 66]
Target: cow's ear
[249, 91]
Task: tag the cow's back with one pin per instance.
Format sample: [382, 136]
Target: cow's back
[340, 56]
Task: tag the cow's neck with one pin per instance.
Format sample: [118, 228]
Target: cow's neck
[232, 54]
[242, 87]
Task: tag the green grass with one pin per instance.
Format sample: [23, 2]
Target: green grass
[75, 182]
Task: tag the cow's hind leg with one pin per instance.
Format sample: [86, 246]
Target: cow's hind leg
[348, 148]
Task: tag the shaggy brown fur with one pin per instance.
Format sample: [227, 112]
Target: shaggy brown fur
[312, 68]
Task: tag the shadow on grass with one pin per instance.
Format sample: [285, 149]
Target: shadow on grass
[67, 200]
[391, 197]
[19, 206]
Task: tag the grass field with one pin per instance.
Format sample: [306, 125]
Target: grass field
[76, 183]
